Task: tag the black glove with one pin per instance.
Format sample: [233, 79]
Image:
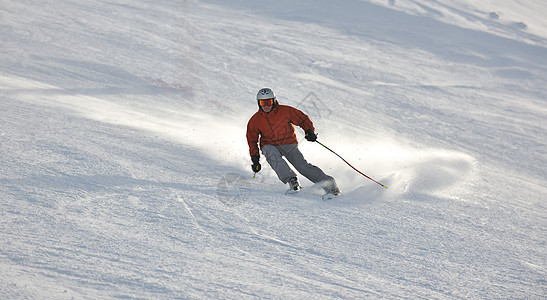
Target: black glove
[310, 135]
[256, 163]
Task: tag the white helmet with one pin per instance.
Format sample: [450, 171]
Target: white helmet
[265, 93]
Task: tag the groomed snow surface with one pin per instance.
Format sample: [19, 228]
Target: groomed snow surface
[125, 172]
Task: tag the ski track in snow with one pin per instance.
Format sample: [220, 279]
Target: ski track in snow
[124, 169]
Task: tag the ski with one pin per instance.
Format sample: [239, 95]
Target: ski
[324, 197]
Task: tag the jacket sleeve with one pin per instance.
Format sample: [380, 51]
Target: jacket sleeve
[301, 120]
[252, 137]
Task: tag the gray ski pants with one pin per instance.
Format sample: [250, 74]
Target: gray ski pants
[274, 155]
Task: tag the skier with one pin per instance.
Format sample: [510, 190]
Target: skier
[272, 127]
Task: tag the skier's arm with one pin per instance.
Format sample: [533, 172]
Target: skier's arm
[252, 139]
[301, 120]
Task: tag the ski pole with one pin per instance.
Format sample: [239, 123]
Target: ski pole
[350, 164]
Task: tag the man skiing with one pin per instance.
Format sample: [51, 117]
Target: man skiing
[272, 129]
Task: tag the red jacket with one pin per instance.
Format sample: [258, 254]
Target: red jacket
[275, 127]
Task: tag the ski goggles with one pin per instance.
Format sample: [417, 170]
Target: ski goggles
[266, 102]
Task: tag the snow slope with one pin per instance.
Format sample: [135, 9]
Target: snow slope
[125, 172]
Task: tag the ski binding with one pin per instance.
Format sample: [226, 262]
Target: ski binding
[291, 191]
[328, 196]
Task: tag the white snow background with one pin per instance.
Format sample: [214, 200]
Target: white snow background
[125, 174]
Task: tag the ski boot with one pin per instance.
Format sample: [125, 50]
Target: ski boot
[294, 186]
[331, 189]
